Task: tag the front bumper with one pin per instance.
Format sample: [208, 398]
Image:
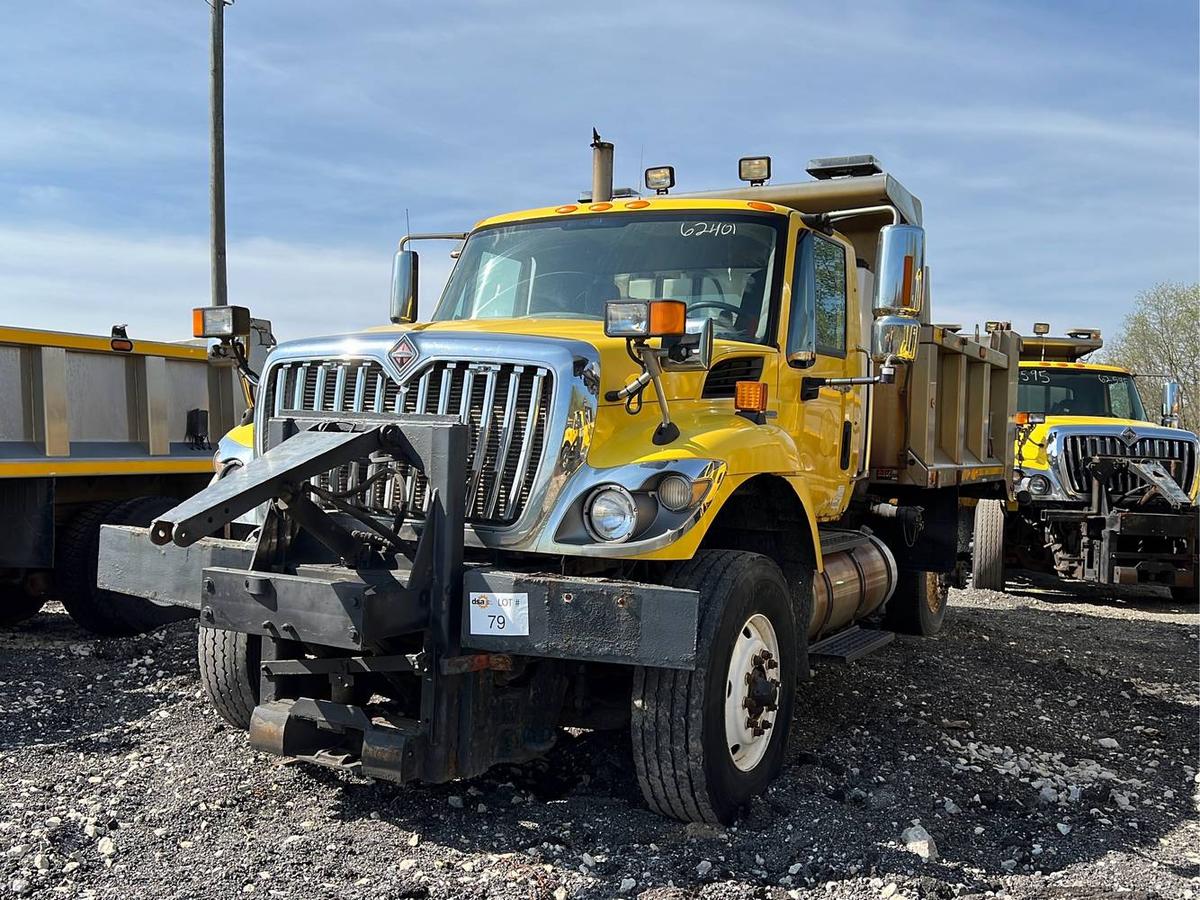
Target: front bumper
[584, 619]
[1132, 546]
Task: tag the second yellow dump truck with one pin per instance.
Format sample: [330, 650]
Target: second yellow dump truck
[1104, 492]
[647, 457]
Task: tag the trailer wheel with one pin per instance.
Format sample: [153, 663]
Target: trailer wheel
[706, 741]
[17, 605]
[1185, 595]
[99, 611]
[987, 554]
[919, 603]
[229, 670]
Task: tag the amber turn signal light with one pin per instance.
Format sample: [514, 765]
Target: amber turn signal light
[750, 396]
[668, 317]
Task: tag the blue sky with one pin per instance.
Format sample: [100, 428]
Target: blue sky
[1055, 147]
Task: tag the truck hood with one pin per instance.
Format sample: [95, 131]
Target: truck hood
[616, 368]
[1033, 452]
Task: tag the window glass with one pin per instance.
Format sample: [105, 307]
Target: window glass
[829, 269]
[721, 265]
[496, 289]
[1074, 392]
[801, 342]
[1118, 399]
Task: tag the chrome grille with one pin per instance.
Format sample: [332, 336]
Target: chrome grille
[1176, 455]
[504, 405]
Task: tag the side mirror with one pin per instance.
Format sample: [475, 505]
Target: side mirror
[895, 339]
[1172, 404]
[404, 288]
[900, 275]
[900, 271]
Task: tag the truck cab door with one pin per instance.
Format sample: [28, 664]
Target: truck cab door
[820, 342]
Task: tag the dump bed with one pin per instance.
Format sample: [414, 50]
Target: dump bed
[948, 419]
[75, 405]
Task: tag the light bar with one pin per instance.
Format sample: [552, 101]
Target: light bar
[1084, 334]
[644, 318]
[220, 321]
[844, 167]
[660, 179]
[998, 326]
[754, 169]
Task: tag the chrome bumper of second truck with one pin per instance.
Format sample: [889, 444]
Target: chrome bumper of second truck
[585, 619]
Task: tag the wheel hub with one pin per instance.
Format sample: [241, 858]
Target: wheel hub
[752, 692]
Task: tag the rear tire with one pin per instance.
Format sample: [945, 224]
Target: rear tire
[229, 670]
[102, 612]
[919, 603]
[697, 755]
[987, 555]
[16, 605]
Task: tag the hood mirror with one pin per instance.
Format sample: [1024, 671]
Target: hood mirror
[1172, 404]
[403, 309]
[691, 352]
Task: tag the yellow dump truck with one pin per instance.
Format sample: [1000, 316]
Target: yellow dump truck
[648, 456]
[97, 429]
[1103, 493]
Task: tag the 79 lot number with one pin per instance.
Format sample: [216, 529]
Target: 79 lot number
[499, 613]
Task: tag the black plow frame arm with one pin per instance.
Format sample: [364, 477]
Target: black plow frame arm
[313, 448]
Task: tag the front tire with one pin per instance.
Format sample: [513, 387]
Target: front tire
[987, 555]
[706, 741]
[229, 671]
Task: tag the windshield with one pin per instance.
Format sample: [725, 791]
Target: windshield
[722, 266]
[1059, 392]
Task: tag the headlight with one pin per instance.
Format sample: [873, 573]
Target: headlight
[677, 492]
[1039, 485]
[610, 514]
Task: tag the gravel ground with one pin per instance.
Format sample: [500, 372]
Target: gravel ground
[1046, 742]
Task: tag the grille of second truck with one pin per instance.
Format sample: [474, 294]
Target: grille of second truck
[505, 406]
[1176, 456]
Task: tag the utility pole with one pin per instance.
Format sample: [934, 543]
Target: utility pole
[220, 287]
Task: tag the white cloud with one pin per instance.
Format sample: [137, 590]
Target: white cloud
[86, 281]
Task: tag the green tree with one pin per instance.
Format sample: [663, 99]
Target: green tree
[1160, 341]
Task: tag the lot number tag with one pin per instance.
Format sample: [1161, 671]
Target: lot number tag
[499, 613]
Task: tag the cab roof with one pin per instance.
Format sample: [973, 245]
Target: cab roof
[631, 205]
[1060, 364]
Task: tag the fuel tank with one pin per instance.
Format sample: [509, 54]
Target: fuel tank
[855, 583]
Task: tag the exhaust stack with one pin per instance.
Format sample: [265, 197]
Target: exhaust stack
[602, 169]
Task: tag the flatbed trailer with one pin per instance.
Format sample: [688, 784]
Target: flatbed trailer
[97, 429]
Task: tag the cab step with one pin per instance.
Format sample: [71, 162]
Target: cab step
[850, 645]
